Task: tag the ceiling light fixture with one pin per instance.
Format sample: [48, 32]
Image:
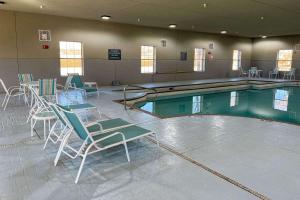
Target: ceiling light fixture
[263, 37]
[41, 6]
[223, 32]
[172, 26]
[262, 18]
[204, 5]
[105, 17]
[139, 19]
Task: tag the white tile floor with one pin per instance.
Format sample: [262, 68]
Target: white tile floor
[263, 156]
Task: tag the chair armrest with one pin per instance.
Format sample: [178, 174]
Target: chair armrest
[14, 89]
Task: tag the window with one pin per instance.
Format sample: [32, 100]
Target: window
[284, 60]
[233, 99]
[148, 59]
[71, 61]
[197, 104]
[199, 60]
[236, 59]
[281, 98]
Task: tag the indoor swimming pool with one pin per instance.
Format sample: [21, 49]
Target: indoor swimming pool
[278, 104]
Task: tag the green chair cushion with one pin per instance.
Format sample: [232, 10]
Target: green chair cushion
[77, 81]
[90, 89]
[82, 106]
[108, 124]
[130, 133]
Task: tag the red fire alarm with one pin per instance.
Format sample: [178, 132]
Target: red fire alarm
[45, 46]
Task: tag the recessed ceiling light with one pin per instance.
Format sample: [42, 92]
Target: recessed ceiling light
[263, 37]
[41, 6]
[139, 19]
[223, 32]
[204, 5]
[2, 2]
[262, 18]
[105, 17]
[172, 26]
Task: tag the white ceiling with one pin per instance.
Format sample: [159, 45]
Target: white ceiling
[238, 17]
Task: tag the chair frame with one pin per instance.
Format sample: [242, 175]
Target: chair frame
[85, 84]
[13, 91]
[290, 74]
[275, 72]
[87, 148]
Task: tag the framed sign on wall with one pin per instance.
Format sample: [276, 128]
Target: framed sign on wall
[114, 54]
[183, 55]
[44, 35]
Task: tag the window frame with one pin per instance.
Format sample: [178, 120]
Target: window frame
[81, 58]
[278, 60]
[239, 60]
[143, 59]
[202, 61]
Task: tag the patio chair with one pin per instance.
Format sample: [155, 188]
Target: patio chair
[242, 72]
[274, 72]
[253, 72]
[14, 91]
[41, 111]
[60, 128]
[47, 89]
[86, 87]
[98, 139]
[25, 78]
[290, 74]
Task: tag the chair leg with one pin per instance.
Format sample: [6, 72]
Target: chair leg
[156, 138]
[7, 100]
[126, 149]
[4, 100]
[61, 147]
[80, 168]
[49, 136]
[32, 124]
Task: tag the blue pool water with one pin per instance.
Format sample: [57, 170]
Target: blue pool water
[280, 104]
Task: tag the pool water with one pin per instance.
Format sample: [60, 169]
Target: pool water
[279, 104]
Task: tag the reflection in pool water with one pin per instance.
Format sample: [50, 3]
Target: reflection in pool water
[281, 104]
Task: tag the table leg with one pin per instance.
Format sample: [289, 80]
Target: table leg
[44, 129]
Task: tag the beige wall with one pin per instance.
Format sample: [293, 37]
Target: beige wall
[265, 51]
[20, 50]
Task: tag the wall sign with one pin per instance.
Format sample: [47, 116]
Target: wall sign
[44, 35]
[163, 43]
[183, 55]
[114, 54]
[211, 46]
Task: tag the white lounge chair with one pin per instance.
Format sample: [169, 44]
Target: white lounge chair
[14, 91]
[98, 139]
[274, 73]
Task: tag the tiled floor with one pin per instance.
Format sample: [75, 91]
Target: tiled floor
[263, 156]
